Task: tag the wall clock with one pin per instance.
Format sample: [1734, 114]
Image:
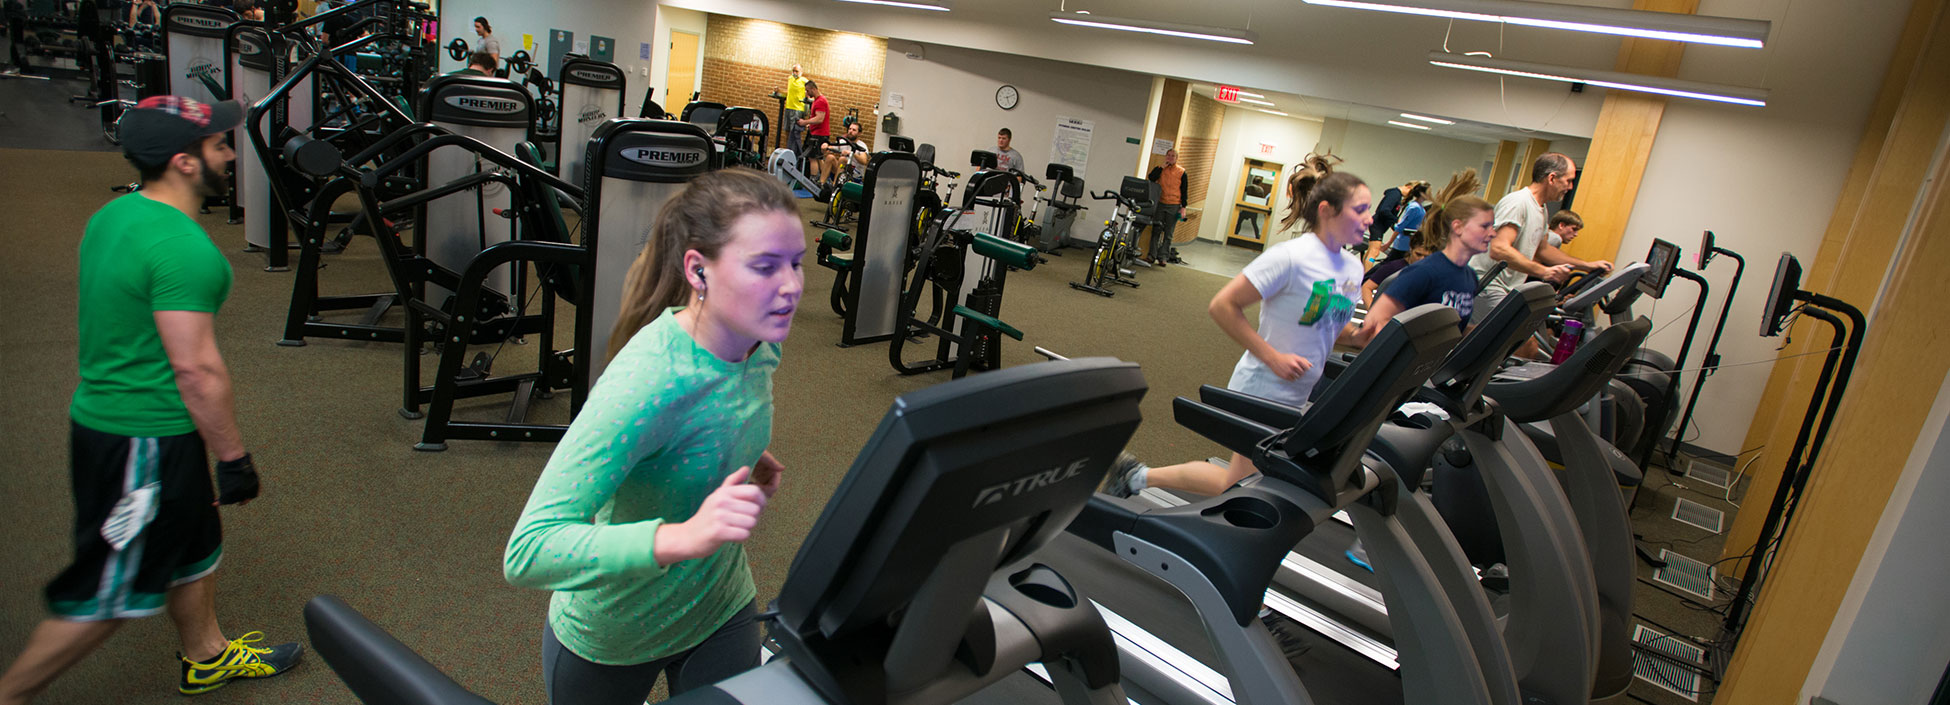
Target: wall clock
[1007, 97]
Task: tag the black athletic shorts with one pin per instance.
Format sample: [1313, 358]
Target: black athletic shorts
[182, 543]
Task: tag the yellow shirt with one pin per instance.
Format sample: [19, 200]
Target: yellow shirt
[795, 93]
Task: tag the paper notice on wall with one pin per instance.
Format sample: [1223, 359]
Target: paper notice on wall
[1071, 145]
[1160, 146]
[528, 42]
[582, 47]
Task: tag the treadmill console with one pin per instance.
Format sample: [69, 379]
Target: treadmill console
[1705, 253]
[1016, 453]
[1780, 299]
[1619, 278]
[1663, 257]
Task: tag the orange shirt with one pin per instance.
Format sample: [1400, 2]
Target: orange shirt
[1169, 182]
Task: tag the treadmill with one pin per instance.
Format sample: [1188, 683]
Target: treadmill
[1551, 568]
[921, 582]
[1181, 586]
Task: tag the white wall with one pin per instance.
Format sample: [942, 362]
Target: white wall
[629, 23]
[949, 101]
[1763, 180]
[1887, 644]
[1239, 138]
[1391, 156]
[679, 19]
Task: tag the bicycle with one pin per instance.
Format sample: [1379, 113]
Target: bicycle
[1116, 248]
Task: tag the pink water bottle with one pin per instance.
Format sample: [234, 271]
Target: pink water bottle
[1567, 342]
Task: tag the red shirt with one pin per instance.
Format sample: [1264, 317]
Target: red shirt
[823, 127]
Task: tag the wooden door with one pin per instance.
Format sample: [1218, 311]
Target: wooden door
[681, 79]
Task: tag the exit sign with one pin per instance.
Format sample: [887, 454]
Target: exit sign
[1228, 94]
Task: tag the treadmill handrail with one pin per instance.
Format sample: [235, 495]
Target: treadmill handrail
[1619, 278]
[1322, 452]
[1570, 384]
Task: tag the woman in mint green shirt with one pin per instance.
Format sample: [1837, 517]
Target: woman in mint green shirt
[638, 521]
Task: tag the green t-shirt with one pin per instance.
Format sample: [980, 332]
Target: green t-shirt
[666, 423]
[139, 256]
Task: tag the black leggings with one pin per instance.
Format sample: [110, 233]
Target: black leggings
[574, 680]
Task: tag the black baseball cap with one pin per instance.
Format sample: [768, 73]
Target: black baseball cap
[161, 127]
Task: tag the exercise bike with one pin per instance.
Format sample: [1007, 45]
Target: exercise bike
[1117, 248]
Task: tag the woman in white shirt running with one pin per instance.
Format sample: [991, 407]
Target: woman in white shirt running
[1306, 288]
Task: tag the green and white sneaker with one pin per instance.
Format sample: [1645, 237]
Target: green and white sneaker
[239, 660]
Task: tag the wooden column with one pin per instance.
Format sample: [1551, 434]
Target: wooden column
[1882, 414]
[1499, 183]
[1171, 114]
[1627, 125]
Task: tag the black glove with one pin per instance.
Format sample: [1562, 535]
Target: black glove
[236, 480]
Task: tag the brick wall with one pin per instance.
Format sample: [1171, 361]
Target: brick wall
[1198, 150]
[745, 60]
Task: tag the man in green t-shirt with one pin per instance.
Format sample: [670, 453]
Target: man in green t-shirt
[153, 402]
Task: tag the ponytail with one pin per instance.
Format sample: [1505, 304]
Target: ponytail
[1456, 201]
[1315, 182]
[697, 218]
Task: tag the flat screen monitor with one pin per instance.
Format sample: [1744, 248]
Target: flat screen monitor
[1705, 254]
[1780, 299]
[1663, 257]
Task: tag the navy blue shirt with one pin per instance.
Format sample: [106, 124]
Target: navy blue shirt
[1436, 280]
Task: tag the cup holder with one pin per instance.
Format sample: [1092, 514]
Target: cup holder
[1244, 512]
[1038, 582]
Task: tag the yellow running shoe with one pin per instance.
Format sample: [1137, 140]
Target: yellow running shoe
[238, 660]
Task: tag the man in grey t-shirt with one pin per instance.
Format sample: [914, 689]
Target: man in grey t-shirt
[1520, 241]
[489, 45]
[1008, 159]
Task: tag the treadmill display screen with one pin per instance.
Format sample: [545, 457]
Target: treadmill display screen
[1780, 299]
[1662, 259]
[1705, 253]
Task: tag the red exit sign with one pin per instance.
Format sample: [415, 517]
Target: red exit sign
[1228, 94]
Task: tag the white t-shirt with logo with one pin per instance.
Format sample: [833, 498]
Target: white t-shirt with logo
[1307, 293]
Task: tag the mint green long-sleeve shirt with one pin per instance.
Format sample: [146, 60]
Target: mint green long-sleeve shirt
[663, 427]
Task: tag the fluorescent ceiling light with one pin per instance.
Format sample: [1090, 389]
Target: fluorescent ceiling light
[1272, 112]
[1249, 94]
[1244, 99]
[1408, 125]
[1425, 118]
[1670, 26]
[936, 5]
[1169, 29]
[1609, 79]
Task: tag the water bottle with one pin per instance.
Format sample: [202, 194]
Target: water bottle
[1567, 342]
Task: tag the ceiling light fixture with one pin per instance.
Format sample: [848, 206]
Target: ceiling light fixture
[1425, 118]
[1608, 79]
[1169, 29]
[1250, 94]
[1408, 125]
[935, 5]
[1244, 99]
[1272, 112]
[1670, 26]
